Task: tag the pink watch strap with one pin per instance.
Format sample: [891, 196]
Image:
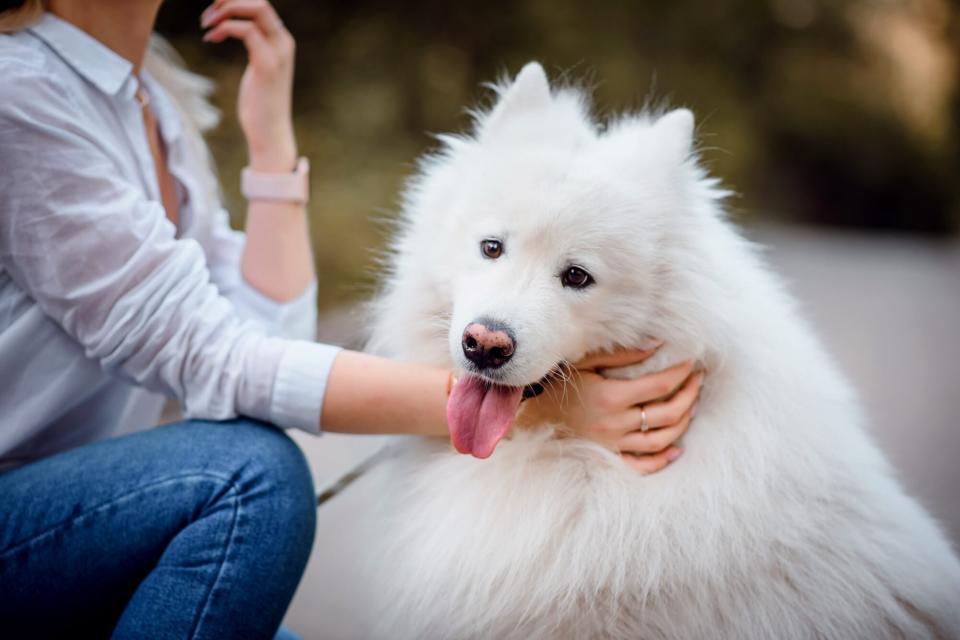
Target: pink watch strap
[277, 187]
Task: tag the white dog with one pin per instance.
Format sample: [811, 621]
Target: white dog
[544, 236]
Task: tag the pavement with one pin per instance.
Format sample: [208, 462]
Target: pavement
[887, 307]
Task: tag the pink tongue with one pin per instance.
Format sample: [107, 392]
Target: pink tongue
[480, 414]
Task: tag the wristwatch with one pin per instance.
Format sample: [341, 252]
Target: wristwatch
[291, 187]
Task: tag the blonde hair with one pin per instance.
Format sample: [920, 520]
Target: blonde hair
[21, 17]
[190, 94]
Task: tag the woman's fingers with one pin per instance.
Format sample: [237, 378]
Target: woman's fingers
[653, 386]
[667, 421]
[655, 439]
[256, 23]
[616, 359]
[668, 412]
[258, 11]
[652, 463]
[244, 30]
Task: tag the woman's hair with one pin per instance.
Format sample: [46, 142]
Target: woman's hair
[19, 14]
[190, 94]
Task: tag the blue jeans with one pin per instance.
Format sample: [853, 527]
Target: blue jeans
[191, 530]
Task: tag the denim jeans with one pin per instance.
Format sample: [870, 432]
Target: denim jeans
[191, 530]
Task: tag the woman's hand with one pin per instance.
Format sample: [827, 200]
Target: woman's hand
[612, 412]
[264, 102]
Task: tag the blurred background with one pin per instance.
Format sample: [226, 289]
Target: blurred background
[832, 112]
[837, 122]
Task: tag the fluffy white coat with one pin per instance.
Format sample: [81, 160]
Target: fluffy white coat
[781, 520]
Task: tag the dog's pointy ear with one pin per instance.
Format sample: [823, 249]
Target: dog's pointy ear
[529, 92]
[674, 133]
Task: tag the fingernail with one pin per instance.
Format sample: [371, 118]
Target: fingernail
[651, 343]
[674, 453]
[208, 16]
[693, 411]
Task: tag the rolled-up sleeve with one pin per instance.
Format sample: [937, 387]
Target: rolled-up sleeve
[223, 246]
[103, 262]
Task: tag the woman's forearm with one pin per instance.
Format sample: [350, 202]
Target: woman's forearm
[367, 394]
[277, 260]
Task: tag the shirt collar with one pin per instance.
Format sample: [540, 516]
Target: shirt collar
[89, 57]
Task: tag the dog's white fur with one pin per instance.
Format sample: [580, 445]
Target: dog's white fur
[781, 520]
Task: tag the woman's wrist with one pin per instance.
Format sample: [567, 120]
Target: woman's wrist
[278, 156]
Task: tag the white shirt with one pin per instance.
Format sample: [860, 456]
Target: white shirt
[103, 309]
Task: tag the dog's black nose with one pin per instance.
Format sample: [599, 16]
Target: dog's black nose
[487, 344]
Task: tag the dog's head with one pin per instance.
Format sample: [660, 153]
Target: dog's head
[549, 238]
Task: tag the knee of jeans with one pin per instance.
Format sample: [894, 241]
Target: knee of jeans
[265, 461]
[278, 467]
[275, 455]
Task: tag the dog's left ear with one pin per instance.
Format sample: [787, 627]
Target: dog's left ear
[529, 93]
[674, 134]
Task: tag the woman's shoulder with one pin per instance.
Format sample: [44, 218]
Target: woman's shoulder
[21, 55]
[25, 69]
[30, 78]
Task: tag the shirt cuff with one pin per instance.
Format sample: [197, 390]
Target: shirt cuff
[300, 385]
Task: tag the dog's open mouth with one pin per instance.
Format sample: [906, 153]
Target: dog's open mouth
[480, 413]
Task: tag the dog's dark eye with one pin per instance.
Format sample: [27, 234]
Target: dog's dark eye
[576, 278]
[491, 248]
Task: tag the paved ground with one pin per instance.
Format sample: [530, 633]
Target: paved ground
[888, 308]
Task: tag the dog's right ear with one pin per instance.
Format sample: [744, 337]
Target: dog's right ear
[529, 93]
[673, 132]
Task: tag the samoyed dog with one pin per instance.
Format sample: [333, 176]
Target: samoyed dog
[545, 235]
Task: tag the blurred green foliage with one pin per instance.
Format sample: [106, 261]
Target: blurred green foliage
[841, 112]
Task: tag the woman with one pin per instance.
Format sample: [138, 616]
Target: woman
[121, 283]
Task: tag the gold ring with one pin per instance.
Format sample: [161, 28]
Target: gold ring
[644, 427]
